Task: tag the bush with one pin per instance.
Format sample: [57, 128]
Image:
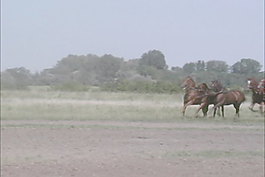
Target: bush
[142, 86]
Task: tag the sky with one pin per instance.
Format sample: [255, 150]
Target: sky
[37, 34]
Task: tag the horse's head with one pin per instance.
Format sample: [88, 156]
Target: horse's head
[252, 83]
[188, 83]
[216, 86]
[203, 87]
[213, 83]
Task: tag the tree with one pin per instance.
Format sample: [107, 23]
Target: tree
[16, 78]
[194, 67]
[200, 66]
[189, 68]
[246, 66]
[107, 67]
[216, 66]
[153, 58]
[176, 69]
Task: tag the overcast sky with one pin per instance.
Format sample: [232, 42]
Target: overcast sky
[37, 34]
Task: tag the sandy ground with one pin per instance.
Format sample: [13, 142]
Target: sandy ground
[130, 149]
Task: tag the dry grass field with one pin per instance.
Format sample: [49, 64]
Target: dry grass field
[52, 133]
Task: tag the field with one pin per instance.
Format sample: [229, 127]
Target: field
[102, 134]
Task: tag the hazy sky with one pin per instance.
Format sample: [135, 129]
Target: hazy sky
[37, 34]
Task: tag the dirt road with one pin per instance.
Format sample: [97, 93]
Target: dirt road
[131, 149]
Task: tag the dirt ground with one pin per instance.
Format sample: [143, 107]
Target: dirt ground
[130, 149]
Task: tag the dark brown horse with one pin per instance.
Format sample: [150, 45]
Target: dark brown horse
[216, 86]
[258, 94]
[234, 97]
[194, 95]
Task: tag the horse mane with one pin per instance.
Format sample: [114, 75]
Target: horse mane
[204, 85]
[189, 80]
[252, 79]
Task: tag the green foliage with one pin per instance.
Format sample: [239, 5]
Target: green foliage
[16, 78]
[200, 66]
[143, 86]
[246, 66]
[189, 68]
[90, 70]
[217, 66]
[154, 58]
[194, 67]
[146, 74]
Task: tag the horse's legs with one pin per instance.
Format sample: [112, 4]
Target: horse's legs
[185, 106]
[184, 109]
[214, 109]
[202, 106]
[221, 103]
[205, 110]
[236, 105]
[262, 108]
[223, 111]
[218, 111]
[214, 112]
[251, 106]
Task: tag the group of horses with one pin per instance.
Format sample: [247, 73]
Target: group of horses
[219, 96]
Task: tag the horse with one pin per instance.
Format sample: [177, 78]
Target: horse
[188, 83]
[205, 101]
[235, 97]
[261, 87]
[216, 86]
[258, 93]
[194, 95]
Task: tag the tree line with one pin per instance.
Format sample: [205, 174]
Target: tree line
[149, 73]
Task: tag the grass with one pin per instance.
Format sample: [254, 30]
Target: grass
[43, 104]
[55, 105]
[75, 110]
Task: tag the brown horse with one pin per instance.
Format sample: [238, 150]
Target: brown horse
[205, 101]
[261, 87]
[235, 97]
[188, 83]
[216, 86]
[194, 95]
[258, 94]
